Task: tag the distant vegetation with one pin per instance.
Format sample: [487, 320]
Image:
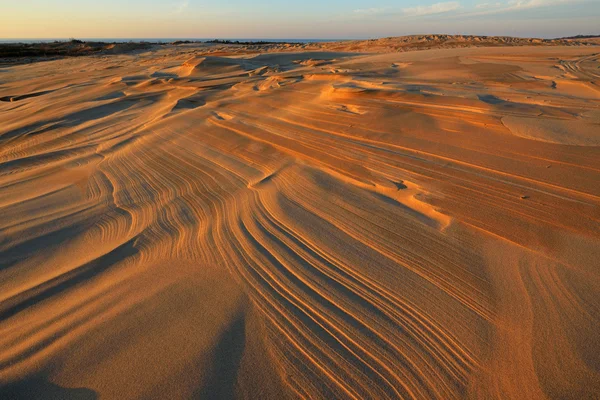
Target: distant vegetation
[70, 48]
[232, 42]
[581, 37]
[248, 43]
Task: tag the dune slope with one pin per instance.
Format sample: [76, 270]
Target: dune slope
[321, 225]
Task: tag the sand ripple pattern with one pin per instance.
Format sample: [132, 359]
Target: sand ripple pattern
[301, 225]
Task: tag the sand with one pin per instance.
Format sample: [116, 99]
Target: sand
[180, 223]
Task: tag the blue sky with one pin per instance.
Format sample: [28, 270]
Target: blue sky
[308, 19]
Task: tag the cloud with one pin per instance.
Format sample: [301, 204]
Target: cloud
[179, 8]
[515, 5]
[526, 4]
[454, 9]
[437, 8]
[483, 6]
[417, 11]
[369, 11]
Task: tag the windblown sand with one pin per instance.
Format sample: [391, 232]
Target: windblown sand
[322, 225]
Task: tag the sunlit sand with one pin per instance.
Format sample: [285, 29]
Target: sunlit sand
[323, 222]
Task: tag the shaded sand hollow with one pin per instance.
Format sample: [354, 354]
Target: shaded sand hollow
[321, 225]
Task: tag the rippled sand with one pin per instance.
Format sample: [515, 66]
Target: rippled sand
[322, 225]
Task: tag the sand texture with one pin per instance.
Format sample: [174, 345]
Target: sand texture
[183, 223]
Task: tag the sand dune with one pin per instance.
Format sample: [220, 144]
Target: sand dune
[185, 224]
[391, 44]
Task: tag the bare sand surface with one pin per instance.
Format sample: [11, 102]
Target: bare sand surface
[176, 224]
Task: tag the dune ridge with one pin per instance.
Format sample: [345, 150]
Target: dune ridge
[317, 224]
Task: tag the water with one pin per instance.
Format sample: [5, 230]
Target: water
[164, 40]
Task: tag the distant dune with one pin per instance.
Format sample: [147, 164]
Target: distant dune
[28, 52]
[421, 42]
[344, 220]
[407, 43]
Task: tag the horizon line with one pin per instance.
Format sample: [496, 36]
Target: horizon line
[290, 38]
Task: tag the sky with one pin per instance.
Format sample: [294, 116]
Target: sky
[309, 19]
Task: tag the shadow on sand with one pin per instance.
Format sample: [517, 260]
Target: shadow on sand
[39, 388]
[221, 380]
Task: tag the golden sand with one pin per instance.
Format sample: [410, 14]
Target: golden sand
[179, 224]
